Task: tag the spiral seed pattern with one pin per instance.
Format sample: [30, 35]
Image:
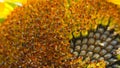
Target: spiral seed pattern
[97, 45]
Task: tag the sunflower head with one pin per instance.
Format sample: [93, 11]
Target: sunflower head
[62, 33]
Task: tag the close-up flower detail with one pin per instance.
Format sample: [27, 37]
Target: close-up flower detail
[7, 6]
[99, 44]
[61, 34]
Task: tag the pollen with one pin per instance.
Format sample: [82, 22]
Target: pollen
[61, 34]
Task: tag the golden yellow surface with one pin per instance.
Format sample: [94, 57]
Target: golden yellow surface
[6, 8]
[117, 2]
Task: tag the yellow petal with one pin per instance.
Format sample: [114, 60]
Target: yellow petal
[117, 2]
[20, 1]
[6, 6]
[5, 10]
[2, 6]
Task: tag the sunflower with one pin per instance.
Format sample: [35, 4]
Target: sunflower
[61, 34]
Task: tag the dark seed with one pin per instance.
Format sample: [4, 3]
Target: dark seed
[97, 35]
[97, 42]
[97, 49]
[91, 41]
[101, 58]
[117, 46]
[91, 34]
[107, 33]
[75, 53]
[107, 56]
[77, 48]
[84, 40]
[108, 39]
[83, 53]
[114, 42]
[93, 61]
[89, 54]
[84, 47]
[91, 47]
[103, 37]
[103, 44]
[112, 60]
[101, 30]
[103, 51]
[71, 44]
[109, 47]
[78, 42]
[96, 56]
[116, 66]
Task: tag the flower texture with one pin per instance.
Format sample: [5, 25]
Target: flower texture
[61, 34]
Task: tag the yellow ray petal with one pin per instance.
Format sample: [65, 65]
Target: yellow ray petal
[6, 6]
[17, 1]
[2, 6]
[117, 2]
[5, 9]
